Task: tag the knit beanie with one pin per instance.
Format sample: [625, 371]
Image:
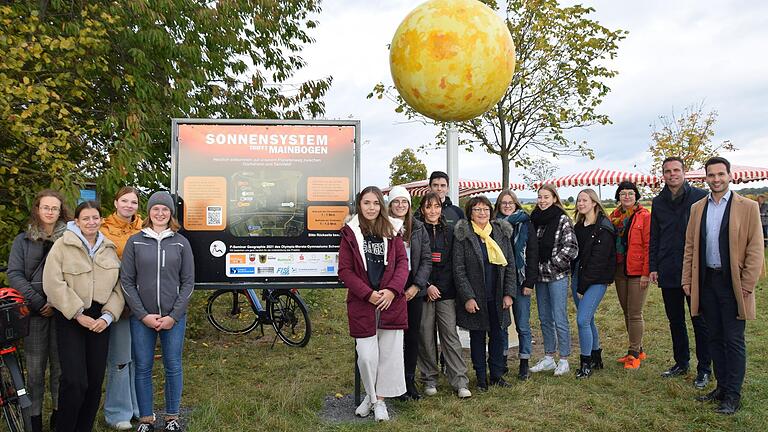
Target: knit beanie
[163, 198]
[399, 192]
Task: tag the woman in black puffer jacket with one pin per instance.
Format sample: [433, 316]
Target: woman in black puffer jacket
[593, 270]
[439, 314]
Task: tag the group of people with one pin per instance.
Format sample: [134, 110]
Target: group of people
[415, 275]
[101, 290]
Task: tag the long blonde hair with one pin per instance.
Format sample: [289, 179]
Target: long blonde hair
[599, 209]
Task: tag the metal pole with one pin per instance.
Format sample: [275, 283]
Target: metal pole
[357, 382]
[452, 162]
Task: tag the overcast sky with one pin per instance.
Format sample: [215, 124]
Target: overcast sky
[677, 53]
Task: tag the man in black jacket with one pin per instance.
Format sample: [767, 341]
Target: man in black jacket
[669, 219]
[438, 183]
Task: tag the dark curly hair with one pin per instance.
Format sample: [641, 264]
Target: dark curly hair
[627, 185]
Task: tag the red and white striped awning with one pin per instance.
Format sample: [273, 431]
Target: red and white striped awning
[602, 177]
[466, 187]
[740, 173]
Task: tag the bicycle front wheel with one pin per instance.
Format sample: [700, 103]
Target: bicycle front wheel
[229, 311]
[290, 318]
[12, 411]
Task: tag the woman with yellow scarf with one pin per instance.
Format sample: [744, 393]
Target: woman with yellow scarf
[485, 282]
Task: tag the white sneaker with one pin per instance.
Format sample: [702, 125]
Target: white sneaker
[464, 393]
[545, 364]
[562, 367]
[123, 425]
[430, 390]
[364, 408]
[380, 411]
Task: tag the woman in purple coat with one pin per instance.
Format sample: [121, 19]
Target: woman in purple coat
[374, 266]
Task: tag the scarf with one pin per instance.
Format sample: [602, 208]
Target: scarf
[495, 255]
[550, 219]
[519, 220]
[621, 220]
[37, 234]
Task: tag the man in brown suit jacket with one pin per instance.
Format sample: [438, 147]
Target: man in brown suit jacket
[722, 264]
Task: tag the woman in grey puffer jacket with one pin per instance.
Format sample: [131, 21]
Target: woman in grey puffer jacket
[158, 298]
[419, 252]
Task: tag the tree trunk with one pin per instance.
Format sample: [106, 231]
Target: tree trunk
[504, 169]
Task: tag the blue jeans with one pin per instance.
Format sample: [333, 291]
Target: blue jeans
[552, 300]
[143, 344]
[120, 396]
[586, 307]
[495, 348]
[521, 310]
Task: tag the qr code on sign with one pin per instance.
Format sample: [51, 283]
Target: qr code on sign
[213, 216]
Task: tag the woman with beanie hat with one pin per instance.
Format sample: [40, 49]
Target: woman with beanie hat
[416, 240]
[633, 236]
[158, 296]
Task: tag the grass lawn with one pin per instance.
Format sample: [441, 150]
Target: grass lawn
[239, 383]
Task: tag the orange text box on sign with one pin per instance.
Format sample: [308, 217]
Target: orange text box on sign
[205, 203]
[326, 218]
[327, 188]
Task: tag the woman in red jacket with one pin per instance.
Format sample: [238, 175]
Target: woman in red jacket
[374, 267]
[633, 232]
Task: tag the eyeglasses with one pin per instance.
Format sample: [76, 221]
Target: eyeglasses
[46, 209]
[507, 203]
[627, 194]
[481, 210]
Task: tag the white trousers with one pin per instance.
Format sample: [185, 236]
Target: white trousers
[381, 363]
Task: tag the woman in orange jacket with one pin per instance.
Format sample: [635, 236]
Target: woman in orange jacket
[633, 227]
[120, 404]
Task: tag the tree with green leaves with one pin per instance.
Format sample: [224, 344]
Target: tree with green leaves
[558, 85]
[687, 136]
[88, 89]
[406, 168]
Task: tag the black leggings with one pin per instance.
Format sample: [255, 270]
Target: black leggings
[83, 359]
[411, 336]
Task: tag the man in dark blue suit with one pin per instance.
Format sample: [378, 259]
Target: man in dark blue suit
[669, 219]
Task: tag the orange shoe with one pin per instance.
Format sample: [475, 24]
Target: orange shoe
[632, 363]
[623, 359]
[642, 355]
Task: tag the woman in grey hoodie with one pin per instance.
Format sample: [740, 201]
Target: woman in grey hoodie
[158, 296]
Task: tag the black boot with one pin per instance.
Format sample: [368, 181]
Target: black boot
[410, 389]
[586, 367]
[524, 373]
[37, 423]
[597, 359]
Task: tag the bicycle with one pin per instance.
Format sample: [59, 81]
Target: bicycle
[14, 325]
[239, 311]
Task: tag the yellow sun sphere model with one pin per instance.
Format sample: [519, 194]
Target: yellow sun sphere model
[451, 60]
